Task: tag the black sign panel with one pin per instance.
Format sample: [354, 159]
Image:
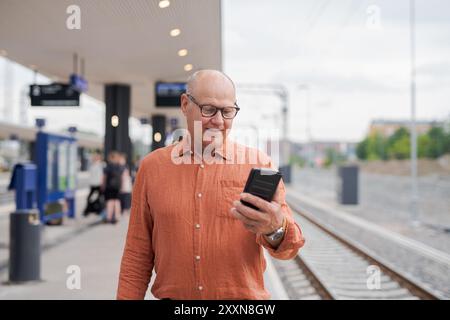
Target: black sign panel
[54, 95]
[168, 93]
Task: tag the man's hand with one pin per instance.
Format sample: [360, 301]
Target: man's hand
[265, 221]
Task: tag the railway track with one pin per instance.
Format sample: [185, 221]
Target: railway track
[331, 267]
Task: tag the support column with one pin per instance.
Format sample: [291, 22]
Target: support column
[117, 103]
[159, 131]
[83, 159]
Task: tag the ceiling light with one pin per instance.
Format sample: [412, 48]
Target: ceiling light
[115, 121]
[188, 67]
[175, 32]
[164, 4]
[182, 52]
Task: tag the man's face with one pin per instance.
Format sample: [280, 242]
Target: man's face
[211, 91]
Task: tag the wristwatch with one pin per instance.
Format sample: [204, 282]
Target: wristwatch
[278, 233]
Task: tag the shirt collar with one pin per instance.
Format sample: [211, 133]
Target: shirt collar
[221, 151]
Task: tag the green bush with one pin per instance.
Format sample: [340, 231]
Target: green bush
[362, 151]
[333, 157]
[433, 144]
[422, 143]
[297, 160]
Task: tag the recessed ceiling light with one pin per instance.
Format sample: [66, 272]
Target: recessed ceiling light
[115, 121]
[164, 4]
[182, 52]
[175, 32]
[188, 67]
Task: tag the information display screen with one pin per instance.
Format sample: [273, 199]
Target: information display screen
[168, 93]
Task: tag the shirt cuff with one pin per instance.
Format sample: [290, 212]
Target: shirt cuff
[290, 244]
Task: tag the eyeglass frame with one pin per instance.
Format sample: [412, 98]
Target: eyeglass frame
[217, 108]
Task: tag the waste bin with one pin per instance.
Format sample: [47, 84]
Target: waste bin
[23, 181]
[24, 226]
[24, 246]
[347, 188]
[286, 172]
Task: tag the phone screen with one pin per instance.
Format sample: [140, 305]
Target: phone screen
[262, 183]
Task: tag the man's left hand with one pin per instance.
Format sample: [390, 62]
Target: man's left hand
[265, 221]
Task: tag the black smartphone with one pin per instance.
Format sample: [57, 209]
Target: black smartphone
[262, 183]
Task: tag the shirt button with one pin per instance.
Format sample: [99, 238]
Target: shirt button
[200, 288]
[199, 195]
[197, 258]
[197, 226]
[202, 166]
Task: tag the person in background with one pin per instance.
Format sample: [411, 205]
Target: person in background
[135, 167]
[112, 183]
[125, 191]
[95, 180]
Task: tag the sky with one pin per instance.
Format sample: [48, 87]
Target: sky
[353, 55]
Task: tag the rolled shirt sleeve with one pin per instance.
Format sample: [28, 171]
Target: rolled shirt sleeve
[293, 238]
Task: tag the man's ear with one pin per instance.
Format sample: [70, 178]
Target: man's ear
[184, 103]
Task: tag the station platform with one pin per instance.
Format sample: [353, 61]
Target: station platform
[95, 248]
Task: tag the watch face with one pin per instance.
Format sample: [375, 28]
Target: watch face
[278, 234]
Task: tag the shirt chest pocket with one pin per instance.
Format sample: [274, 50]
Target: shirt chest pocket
[227, 192]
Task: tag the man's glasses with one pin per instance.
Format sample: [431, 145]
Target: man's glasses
[210, 111]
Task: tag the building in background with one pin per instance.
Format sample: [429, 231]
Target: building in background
[320, 153]
[388, 127]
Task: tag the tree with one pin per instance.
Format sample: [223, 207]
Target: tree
[361, 149]
[398, 144]
[377, 147]
[295, 159]
[400, 148]
[437, 144]
[423, 143]
[433, 144]
[372, 147]
[333, 157]
[447, 143]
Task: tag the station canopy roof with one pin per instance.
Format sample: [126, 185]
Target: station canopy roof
[121, 41]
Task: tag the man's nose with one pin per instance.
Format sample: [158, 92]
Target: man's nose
[218, 119]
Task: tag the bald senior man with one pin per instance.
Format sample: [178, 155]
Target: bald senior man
[187, 222]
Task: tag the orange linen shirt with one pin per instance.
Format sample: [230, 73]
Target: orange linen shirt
[181, 226]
